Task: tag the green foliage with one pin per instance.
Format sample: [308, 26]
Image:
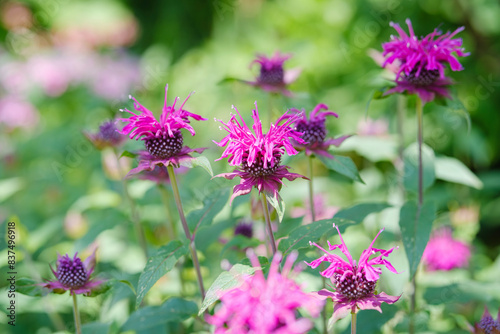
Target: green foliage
[212, 205]
[342, 165]
[410, 178]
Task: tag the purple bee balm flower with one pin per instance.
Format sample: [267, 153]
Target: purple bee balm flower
[422, 62]
[73, 275]
[163, 139]
[273, 78]
[445, 253]
[269, 305]
[258, 155]
[314, 132]
[244, 228]
[354, 282]
[107, 136]
[487, 325]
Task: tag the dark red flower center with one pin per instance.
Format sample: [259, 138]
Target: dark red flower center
[489, 325]
[353, 285]
[313, 131]
[71, 274]
[257, 168]
[273, 76]
[425, 77]
[164, 147]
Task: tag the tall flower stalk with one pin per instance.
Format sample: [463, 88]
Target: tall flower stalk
[76, 314]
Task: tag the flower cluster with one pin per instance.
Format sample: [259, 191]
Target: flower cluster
[163, 139]
[422, 62]
[73, 275]
[258, 155]
[445, 253]
[269, 305]
[487, 325]
[354, 282]
[314, 131]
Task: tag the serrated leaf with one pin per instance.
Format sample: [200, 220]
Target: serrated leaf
[212, 205]
[416, 225]
[410, 158]
[342, 165]
[200, 161]
[278, 204]
[224, 282]
[453, 170]
[359, 212]
[157, 266]
[29, 287]
[173, 310]
[302, 235]
[128, 154]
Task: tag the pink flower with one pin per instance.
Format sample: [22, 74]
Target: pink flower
[314, 132]
[163, 139]
[273, 78]
[321, 209]
[487, 325]
[258, 155]
[445, 253]
[354, 282]
[266, 306]
[422, 62]
[73, 275]
[373, 127]
[17, 113]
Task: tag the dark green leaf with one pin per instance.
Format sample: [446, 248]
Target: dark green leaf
[226, 281]
[463, 292]
[410, 157]
[200, 161]
[453, 170]
[416, 224]
[29, 287]
[342, 165]
[287, 226]
[212, 205]
[301, 236]
[158, 265]
[173, 310]
[240, 242]
[128, 154]
[359, 212]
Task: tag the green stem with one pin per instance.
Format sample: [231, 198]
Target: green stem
[353, 322]
[78, 325]
[401, 140]
[192, 246]
[420, 143]
[134, 214]
[311, 192]
[268, 223]
[171, 230]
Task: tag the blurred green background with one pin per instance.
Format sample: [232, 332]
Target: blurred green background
[67, 66]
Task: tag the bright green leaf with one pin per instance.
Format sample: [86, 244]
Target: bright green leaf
[200, 161]
[410, 157]
[173, 310]
[416, 227]
[158, 265]
[128, 154]
[453, 170]
[224, 282]
[212, 205]
[342, 165]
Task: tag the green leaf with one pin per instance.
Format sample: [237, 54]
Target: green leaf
[212, 205]
[128, 154]
[278, 204]
[158, 265]
[301, 236]
[453, 170]
[29, 287]
[359, 212]
[410, 158]
[229, 79]
[463, 292]
[342, 165]
[240, 242]
[287, 226]
[173, 310]
[224, 282]
[96, 328]
[416, 227]
[200, 161]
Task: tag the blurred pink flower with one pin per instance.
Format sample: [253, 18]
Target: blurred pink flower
[314, 132]
[445, 253]
[258, 156]
[163, 139]
[272, 77]
[487, 325]
[17, 113]
[321, 209]
[48, 71]
[354, 283]
[373, 127]
[269, 305]
[422, 62]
